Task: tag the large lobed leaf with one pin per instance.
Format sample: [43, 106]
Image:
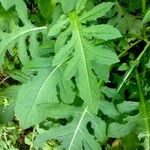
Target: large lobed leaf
[33, 93]
[82, 53]
[42, 89]
[18, 37]
[74, 135]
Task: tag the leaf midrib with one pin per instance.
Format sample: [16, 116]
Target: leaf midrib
[40, 90]
[76, 29]
[77, 128]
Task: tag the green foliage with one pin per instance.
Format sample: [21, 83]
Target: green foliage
[67, 77]
[73, 134]
[68, 5]
[146, 17]
[46, 9]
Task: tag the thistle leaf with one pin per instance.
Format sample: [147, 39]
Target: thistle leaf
[80, 5]
[68, 5]
[146, 17]
[33, 93]
[57, 27]
[20, 8]
[104, 32]
[18, 37]
[75, 135]
[97, 12]
[80, 53]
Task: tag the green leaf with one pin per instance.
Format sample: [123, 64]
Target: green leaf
[33, 93]
[7, 3]
[20, 8]
[125, 22]
[80, 53]
[46, 9]
[143, 122]
[68, 5]
[7, 20]
[109, 109]
[54, 110]
[109, 92]
[127, 106]
[62, 39]
[97, 12]
[102, 71]
[19, 76]
[42, 89]
[22, 11]
[128, 145]
[7, 111]
[37, 64]
[66, 88]
[138, 124]
[33, 46]
[22, 52]
[101, 54]
[146, 17]
[116, 130]
[19, 36]
[80, 5]
[64, 52]
[104, 32]
[57, 27]
[84, 75]
[75, 135]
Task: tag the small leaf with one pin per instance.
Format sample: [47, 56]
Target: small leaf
[37, 64]
[62, 39]
[102, 71]
[20, 8]
[33, 46]
[104, 32]
[57, 27]
[80, 5]
[146, 17]
[54, 110]
[109, 109]
[127, 106]
[18, 38]
[7, 111]
[101, 54]
[66, 88]
[64, 52]
[68, 5]
[46, 9]
[97, 12]
[109, 92]
[22, 52]
[116, 130]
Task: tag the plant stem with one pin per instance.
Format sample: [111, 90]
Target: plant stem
[33, 136]
[4, 80]
[126, 50]
[144, 11]
[143, 6]
[142, 53]
[143, 111]
[129, 71]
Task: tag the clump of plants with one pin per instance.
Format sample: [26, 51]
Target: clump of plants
[74, 74]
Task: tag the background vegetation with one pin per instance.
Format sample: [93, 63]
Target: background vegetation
[74, 74]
